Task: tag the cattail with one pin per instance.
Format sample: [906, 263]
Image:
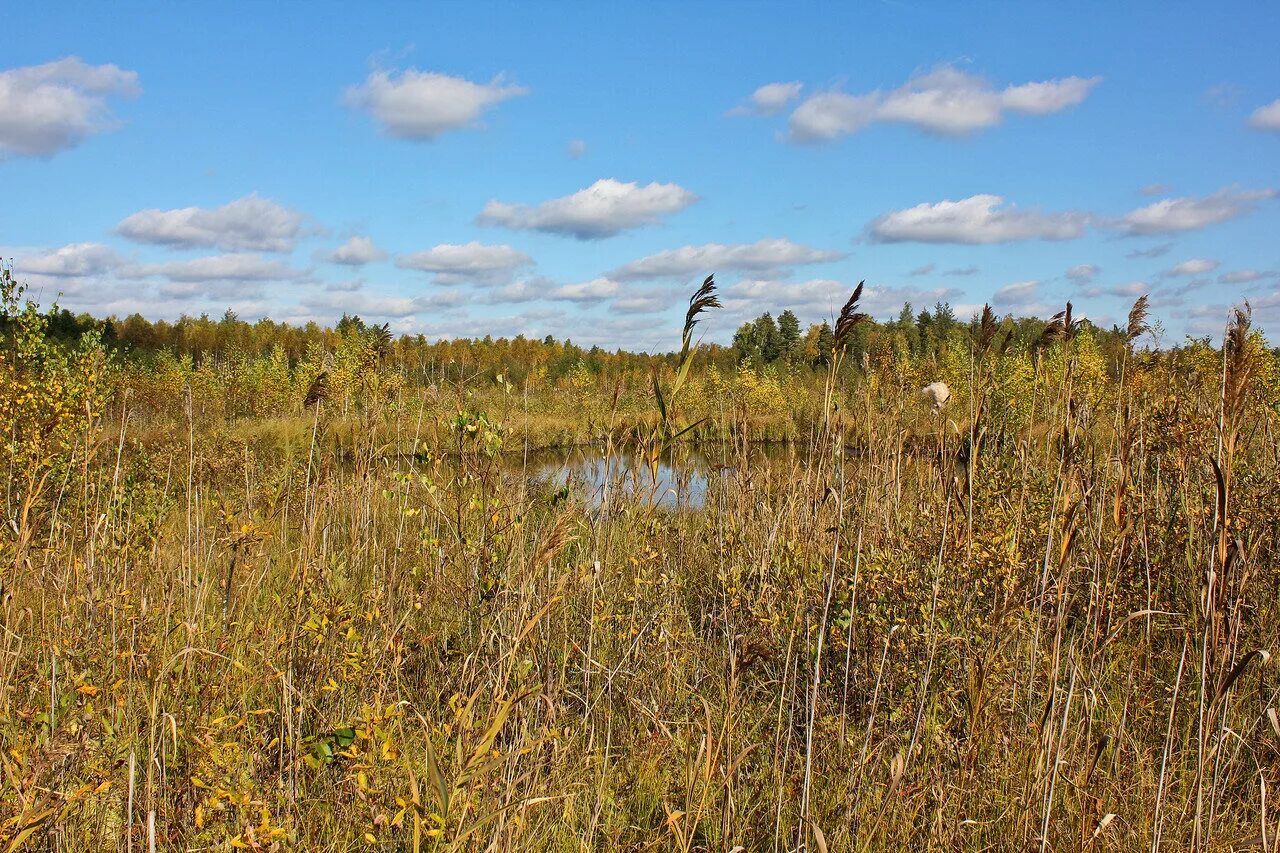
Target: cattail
[937, 393]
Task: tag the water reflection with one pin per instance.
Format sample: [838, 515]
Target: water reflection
[683, 476]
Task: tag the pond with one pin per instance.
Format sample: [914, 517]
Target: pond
[682, 480]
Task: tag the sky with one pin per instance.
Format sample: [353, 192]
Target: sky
[576, 169]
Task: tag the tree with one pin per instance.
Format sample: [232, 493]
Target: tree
[818, 344]
[744, 342]
[789, 334]
[350, 324]
[767, 338]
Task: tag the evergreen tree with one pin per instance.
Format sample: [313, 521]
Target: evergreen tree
[350, 324]
[825, 341]
[789, 334]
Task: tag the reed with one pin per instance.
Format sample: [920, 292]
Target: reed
[1041, 618]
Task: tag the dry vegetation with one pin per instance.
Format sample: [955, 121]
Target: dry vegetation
[1036, 619]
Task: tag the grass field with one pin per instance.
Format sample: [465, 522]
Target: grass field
[1037, 618]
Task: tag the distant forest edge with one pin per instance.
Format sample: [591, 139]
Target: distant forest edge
[269, 383]
[760, 343]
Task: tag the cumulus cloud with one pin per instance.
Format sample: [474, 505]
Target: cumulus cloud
[1083, 273]
[49, 108]
[1195, 266]
[1020, 295]
[769, 99]
[1128, 290]
[384, 306]
[945, 101]
[524, 290]
[422, 105]
[1172, 215]
[646, 302]
[473, 262]
[75, 260]
[828, 115]
[773, 254]
[820, 298]
[1266, 117]
[356, 252]
[977, 219]
[596, 290]
[603, 209]
[232, 267]
[246, 224]
[1246, 276]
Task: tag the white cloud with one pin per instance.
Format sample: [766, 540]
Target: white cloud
[1195, 266]
[828, 115]
[820, 298]
[755, 295]
[769, 99]
[386, 306]
[1083, 273]
[1246, 276]
[648, 302]
[969, 270]
[596, 290]
[977, 219]
[233, 267]
[1154, 189]
[468, 262]
[923, 270]
[1020, 294]
[217, 289]
[1172, 215]
[1153, 252]
[347, 286]
[71, 261]
[525, 290]
[603, 209]
[761, 256]
[49, 108]
[1266, 117]
[356, 252]
[945, 101]
[1049, 96]
[246, 224]
[577, 147]
[422, 104]
[1131, 290]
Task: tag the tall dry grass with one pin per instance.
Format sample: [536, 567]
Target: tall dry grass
[1039, 619]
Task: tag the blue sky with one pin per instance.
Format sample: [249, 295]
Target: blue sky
[572, 169]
